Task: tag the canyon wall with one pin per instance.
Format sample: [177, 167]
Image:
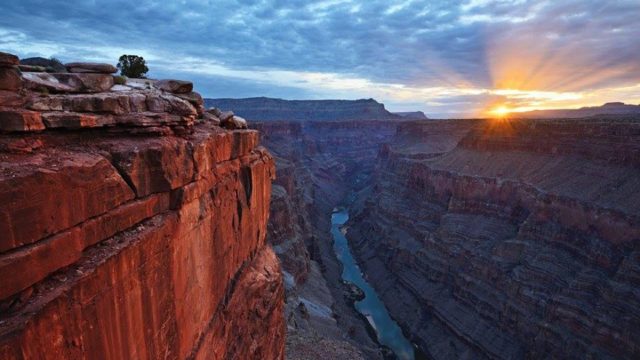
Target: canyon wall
[318, 164]
[507, 239]
[132, 225]
[268, 109]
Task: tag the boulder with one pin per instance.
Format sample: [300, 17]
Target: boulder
[87, 67]
[167, 103]
[207, 116]
[192, 97]
[175, 86]
[10, 79]
[234, 123]
[225, 115]
[45, 81]
[7, 60]
[20, 120]
[214, 111]
[87, 82]
[70, 120]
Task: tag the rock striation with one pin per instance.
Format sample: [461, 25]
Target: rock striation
[318, 164]
[507, 239]
[131, 226]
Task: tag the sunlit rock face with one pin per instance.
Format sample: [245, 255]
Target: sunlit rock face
[508, 239]
[131, 225]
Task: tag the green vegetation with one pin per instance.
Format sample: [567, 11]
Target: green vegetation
[120, 80]
[132, 66]
[55, 62]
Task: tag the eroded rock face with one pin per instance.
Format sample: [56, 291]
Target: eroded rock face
[138, 232]
[511, 240]
[317, 165]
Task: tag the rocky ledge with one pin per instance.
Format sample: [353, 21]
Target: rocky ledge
[87, 96]
[133, 222]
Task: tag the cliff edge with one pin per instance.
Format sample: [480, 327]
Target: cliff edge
[132, 225]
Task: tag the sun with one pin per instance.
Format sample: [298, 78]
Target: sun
[500, 111]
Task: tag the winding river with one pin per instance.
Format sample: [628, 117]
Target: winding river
[388, 332]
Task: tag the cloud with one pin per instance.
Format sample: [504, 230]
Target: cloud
[402, 53]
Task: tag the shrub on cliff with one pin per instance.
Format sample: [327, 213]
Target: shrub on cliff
[120, 80]
[132, 66]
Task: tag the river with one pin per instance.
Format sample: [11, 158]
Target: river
[388, 332]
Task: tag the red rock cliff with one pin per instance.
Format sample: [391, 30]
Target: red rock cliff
[132, 226]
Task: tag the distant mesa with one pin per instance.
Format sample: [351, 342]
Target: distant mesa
[413, 115]
[49, 65]
[608, 109]
[270, 109]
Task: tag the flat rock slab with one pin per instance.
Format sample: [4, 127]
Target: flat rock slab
[20, 120]
[175, 86]
[116, 103]
[192, 97]
[234, 123]
[45, 81]
[87, 67]
[71, 120]
[68, 82]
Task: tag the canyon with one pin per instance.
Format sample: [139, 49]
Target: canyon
[138, 222]
[498, 239]
[133, 222]
[507, 239]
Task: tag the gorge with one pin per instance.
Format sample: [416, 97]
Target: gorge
[484, 238]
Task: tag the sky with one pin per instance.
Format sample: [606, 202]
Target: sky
[446, 58]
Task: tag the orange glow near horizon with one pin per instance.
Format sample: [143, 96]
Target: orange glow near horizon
[500, 111]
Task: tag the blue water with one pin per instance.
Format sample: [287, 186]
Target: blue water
[388, 331]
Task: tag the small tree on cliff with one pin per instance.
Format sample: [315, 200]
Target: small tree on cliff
[132, 66]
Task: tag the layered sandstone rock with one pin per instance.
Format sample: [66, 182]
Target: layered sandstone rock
[132, 228]
[508, 240]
